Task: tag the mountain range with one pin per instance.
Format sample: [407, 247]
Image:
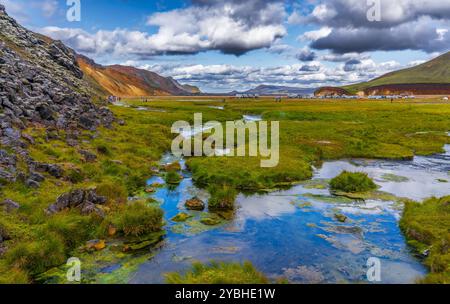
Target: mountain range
[429, 78]
[267, 90]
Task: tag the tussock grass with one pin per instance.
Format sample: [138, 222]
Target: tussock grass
[427, 227]
[218, 273]
[352, 182]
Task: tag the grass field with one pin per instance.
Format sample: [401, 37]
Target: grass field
[311, 131]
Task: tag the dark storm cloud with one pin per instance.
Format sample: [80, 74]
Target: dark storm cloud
[418, 35]
[407, 24]
[306, 55]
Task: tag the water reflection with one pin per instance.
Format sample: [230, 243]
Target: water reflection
[294, 234]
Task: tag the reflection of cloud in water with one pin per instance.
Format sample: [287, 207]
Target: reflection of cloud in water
[398, 272]
[261, 207]
[422, 173]
[370, 207]
[252, 117]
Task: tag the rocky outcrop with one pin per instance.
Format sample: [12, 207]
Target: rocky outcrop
[40, 83]
[195, 204]
[87, 201]
[331, 91]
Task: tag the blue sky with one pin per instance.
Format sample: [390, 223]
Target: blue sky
[234, 45]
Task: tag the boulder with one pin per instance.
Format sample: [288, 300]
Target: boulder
[89, 157]
[45, 112]
[195, 204]
[86, 122]
[52, 169]
[37, 177]
[32, 184]
[9, 205]
[87, 201]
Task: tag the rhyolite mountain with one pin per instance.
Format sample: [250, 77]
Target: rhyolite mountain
[126, 81]
[429, 78]
[40, 84]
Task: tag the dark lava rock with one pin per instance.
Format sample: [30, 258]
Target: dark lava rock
[45, 112]
[32, 184]
[42, 84]
[9, 205]
[86, 122]
[86, 201]
[54, 170]
[37, 177]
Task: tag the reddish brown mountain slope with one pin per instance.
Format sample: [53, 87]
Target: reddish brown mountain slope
[125, 81]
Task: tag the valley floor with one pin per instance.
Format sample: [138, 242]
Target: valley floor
[124, 158]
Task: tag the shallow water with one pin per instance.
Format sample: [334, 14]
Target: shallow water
[252, 117]
[293, 233]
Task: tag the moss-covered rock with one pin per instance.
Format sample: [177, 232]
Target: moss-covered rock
[352, 182]
[195, 204]
[181, 217]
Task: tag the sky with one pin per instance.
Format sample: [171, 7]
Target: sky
[225, 45]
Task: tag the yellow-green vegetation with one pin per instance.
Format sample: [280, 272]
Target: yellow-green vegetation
[352, 182]
[222, 197]
[125, 154]
[181, 217]
[137, 219]
[172, 178]
[310, 132]
[219, 273]
[427, 227]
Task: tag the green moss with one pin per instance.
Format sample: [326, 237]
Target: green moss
[211, 220]
[181, 217]
[394, 178]
[427, 228]
[340, 217]
[218, 273]
[352, 182]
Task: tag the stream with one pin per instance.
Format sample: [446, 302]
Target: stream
[293, 233]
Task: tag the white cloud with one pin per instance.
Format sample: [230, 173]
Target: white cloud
[317, 34]
[224, 77]
[49, 7]
[229, 27]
